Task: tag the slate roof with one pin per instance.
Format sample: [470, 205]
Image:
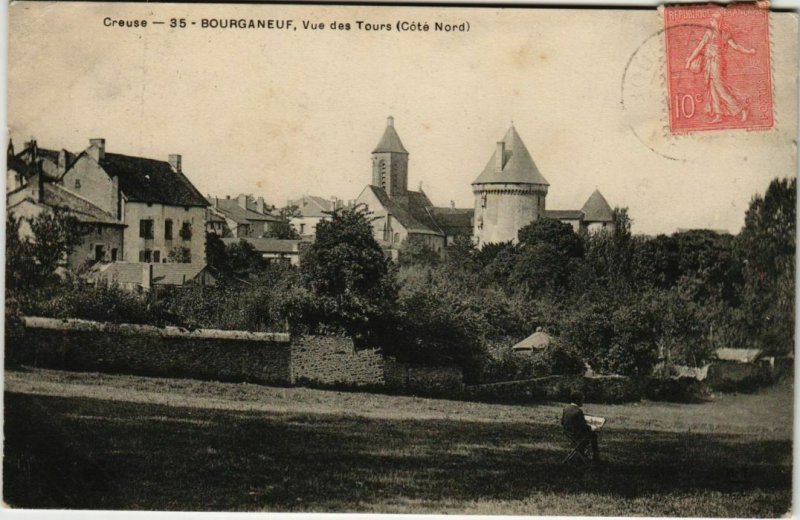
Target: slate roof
[43, 153]
[564, 214]
[597, 209]
[231, 209]
[313, 206]
[151, 180]
[517, 167]
[124, 273]
[56, 196]
[408, 210]
[454, 221]
[390, 141]
[267, 245]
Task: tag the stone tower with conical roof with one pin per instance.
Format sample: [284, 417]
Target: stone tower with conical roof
[390, 162]
[597, 213]
[509, 194]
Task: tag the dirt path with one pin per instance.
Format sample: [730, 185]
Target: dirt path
[766, 414]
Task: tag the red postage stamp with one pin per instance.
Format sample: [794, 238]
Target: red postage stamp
[718, 68]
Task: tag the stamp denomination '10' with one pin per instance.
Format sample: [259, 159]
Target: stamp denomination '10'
[718, 68]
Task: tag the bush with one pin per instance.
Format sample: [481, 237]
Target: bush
[556, 359]
[674, 389]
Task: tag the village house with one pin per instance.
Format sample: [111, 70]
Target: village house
[240, 217]
[162, 211]
[103, 233]
[311, 210]
[273, 250]
[31, 160]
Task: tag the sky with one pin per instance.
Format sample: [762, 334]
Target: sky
[282, 113]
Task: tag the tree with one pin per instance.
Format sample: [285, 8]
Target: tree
[553, 232]
[347, 272]
[766, 249]
[32, 260]
[285, 230]
[417, 252]
[179, 255]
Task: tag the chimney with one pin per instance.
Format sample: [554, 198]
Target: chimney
[499, 156]
[62, 161]
[452, 204]
[390, 121]
[334, 203]
[260, 205]
[175, 162]
[241, 200]
[97, 149]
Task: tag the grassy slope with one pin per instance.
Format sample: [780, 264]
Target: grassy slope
[137, 443]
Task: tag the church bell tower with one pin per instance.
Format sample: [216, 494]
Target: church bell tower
[390, 162]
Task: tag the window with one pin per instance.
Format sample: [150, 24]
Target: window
[145, 255]
[397, 238]
[99, 252]
[146, 228]
[99, 230]
[186, 231]
[483, 200]
[156, 256]
[302, 228]
[382, 170]
[168, 229]
[114, 254]
[77, 184]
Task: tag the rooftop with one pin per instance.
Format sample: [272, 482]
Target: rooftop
[516, 165]
[151, 180]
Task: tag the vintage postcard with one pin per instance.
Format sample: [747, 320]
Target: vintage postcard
[396, 259]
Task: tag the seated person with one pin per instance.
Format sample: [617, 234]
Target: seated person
[574, 423]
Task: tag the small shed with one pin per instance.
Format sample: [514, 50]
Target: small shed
[739, 355]
[537, 341]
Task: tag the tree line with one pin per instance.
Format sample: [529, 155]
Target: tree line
[615, 300]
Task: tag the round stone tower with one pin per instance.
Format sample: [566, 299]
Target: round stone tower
[509, 194]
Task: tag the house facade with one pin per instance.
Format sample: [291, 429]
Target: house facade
[241, 217]
[311, 211]
[103, 239]
[162, 211]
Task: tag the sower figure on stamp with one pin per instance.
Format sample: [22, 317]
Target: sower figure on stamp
[575, 425]
[721, 98]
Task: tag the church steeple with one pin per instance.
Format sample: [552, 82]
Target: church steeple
[390, 162]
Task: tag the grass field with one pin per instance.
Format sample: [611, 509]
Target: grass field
[120, 442]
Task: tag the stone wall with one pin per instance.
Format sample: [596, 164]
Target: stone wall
[332, 360]
[423, 379]
[147, 350]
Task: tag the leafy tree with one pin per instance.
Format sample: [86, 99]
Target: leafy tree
[284, 229]
[179, 255]
[215, 252]
[559, 235]
[243, 260]
[766, 247]
[417, 252]
[32, 259]
[347, 272]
